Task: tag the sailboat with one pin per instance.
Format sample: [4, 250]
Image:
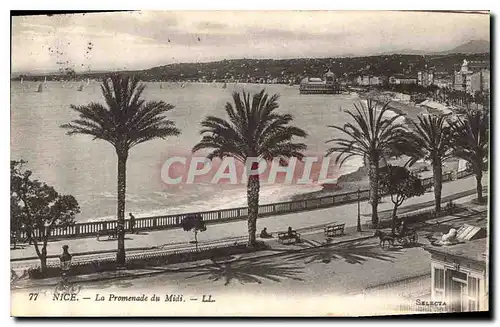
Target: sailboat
[45, 81]
[21, 80]
[224, 86]
[40, 88]
[161, 85]
[88, 81]
[80, 88]
[183, 85]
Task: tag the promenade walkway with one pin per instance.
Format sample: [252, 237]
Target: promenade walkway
[352, 265]
[236, 231]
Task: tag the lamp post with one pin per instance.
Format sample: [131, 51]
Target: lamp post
[65, 260]
[359, 215]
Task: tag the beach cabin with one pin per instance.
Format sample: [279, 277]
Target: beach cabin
[435, 108]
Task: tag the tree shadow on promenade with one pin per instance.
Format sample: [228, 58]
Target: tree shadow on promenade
[252, 271]
[356, 252]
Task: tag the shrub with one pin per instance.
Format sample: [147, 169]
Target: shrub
[144, 261]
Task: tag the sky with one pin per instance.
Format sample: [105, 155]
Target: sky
[140, 40]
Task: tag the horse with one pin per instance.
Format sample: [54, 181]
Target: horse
[384, 238]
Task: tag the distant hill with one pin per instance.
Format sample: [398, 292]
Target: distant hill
[471, 47]
[286, 70]
[474, 46]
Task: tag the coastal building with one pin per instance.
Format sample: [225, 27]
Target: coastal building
[472, 77]
[425, 78]
[316, 85]
[369, 80]
[476, 65]
[443, 79]
[486, 80]
[480, 81]
[459, 272]
[462, 80]
[402, 79]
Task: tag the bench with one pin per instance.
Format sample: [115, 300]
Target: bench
[334, 230]
[110, 233]
[285, 238]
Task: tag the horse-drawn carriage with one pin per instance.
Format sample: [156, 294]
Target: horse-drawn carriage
[408, 237]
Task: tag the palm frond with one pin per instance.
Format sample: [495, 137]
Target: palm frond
[253, 129]
[370, 135]
[127, 119]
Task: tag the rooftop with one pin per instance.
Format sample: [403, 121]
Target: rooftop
[404, 76]
[312, 80]
[475, 250]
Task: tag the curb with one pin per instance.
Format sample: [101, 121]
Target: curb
[159, 247]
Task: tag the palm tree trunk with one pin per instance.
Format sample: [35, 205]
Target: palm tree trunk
[43, 265]
[374, 188]
[394, 214]
[253, 188]
[196, 239]
[122, 181]
[479, 185]
[438, 183]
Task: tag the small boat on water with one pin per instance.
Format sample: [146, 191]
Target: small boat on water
[40, 88]
[224, 86]
[80, 87]
[88, 81]
[161, 86]
[21, 80]
[183, 85]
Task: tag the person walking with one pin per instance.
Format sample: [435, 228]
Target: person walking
[132, 223]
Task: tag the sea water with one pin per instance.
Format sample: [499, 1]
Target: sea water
[87, 168]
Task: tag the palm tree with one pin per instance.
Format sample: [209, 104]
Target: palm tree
[125, 121]
[432, 139]
[372, 137]
[471, 144]
[254, 130]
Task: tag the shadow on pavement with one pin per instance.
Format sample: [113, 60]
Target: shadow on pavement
[247, 272]
[356, 252]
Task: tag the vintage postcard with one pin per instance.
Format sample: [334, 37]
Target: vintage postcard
[250, 163]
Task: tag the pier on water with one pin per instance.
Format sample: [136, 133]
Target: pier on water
[321, 89]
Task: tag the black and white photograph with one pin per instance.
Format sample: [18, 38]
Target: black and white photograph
[250, 163]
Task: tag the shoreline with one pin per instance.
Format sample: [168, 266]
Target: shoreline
[359, 179]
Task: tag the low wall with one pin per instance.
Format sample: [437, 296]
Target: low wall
[144, 260]
[173, 221]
